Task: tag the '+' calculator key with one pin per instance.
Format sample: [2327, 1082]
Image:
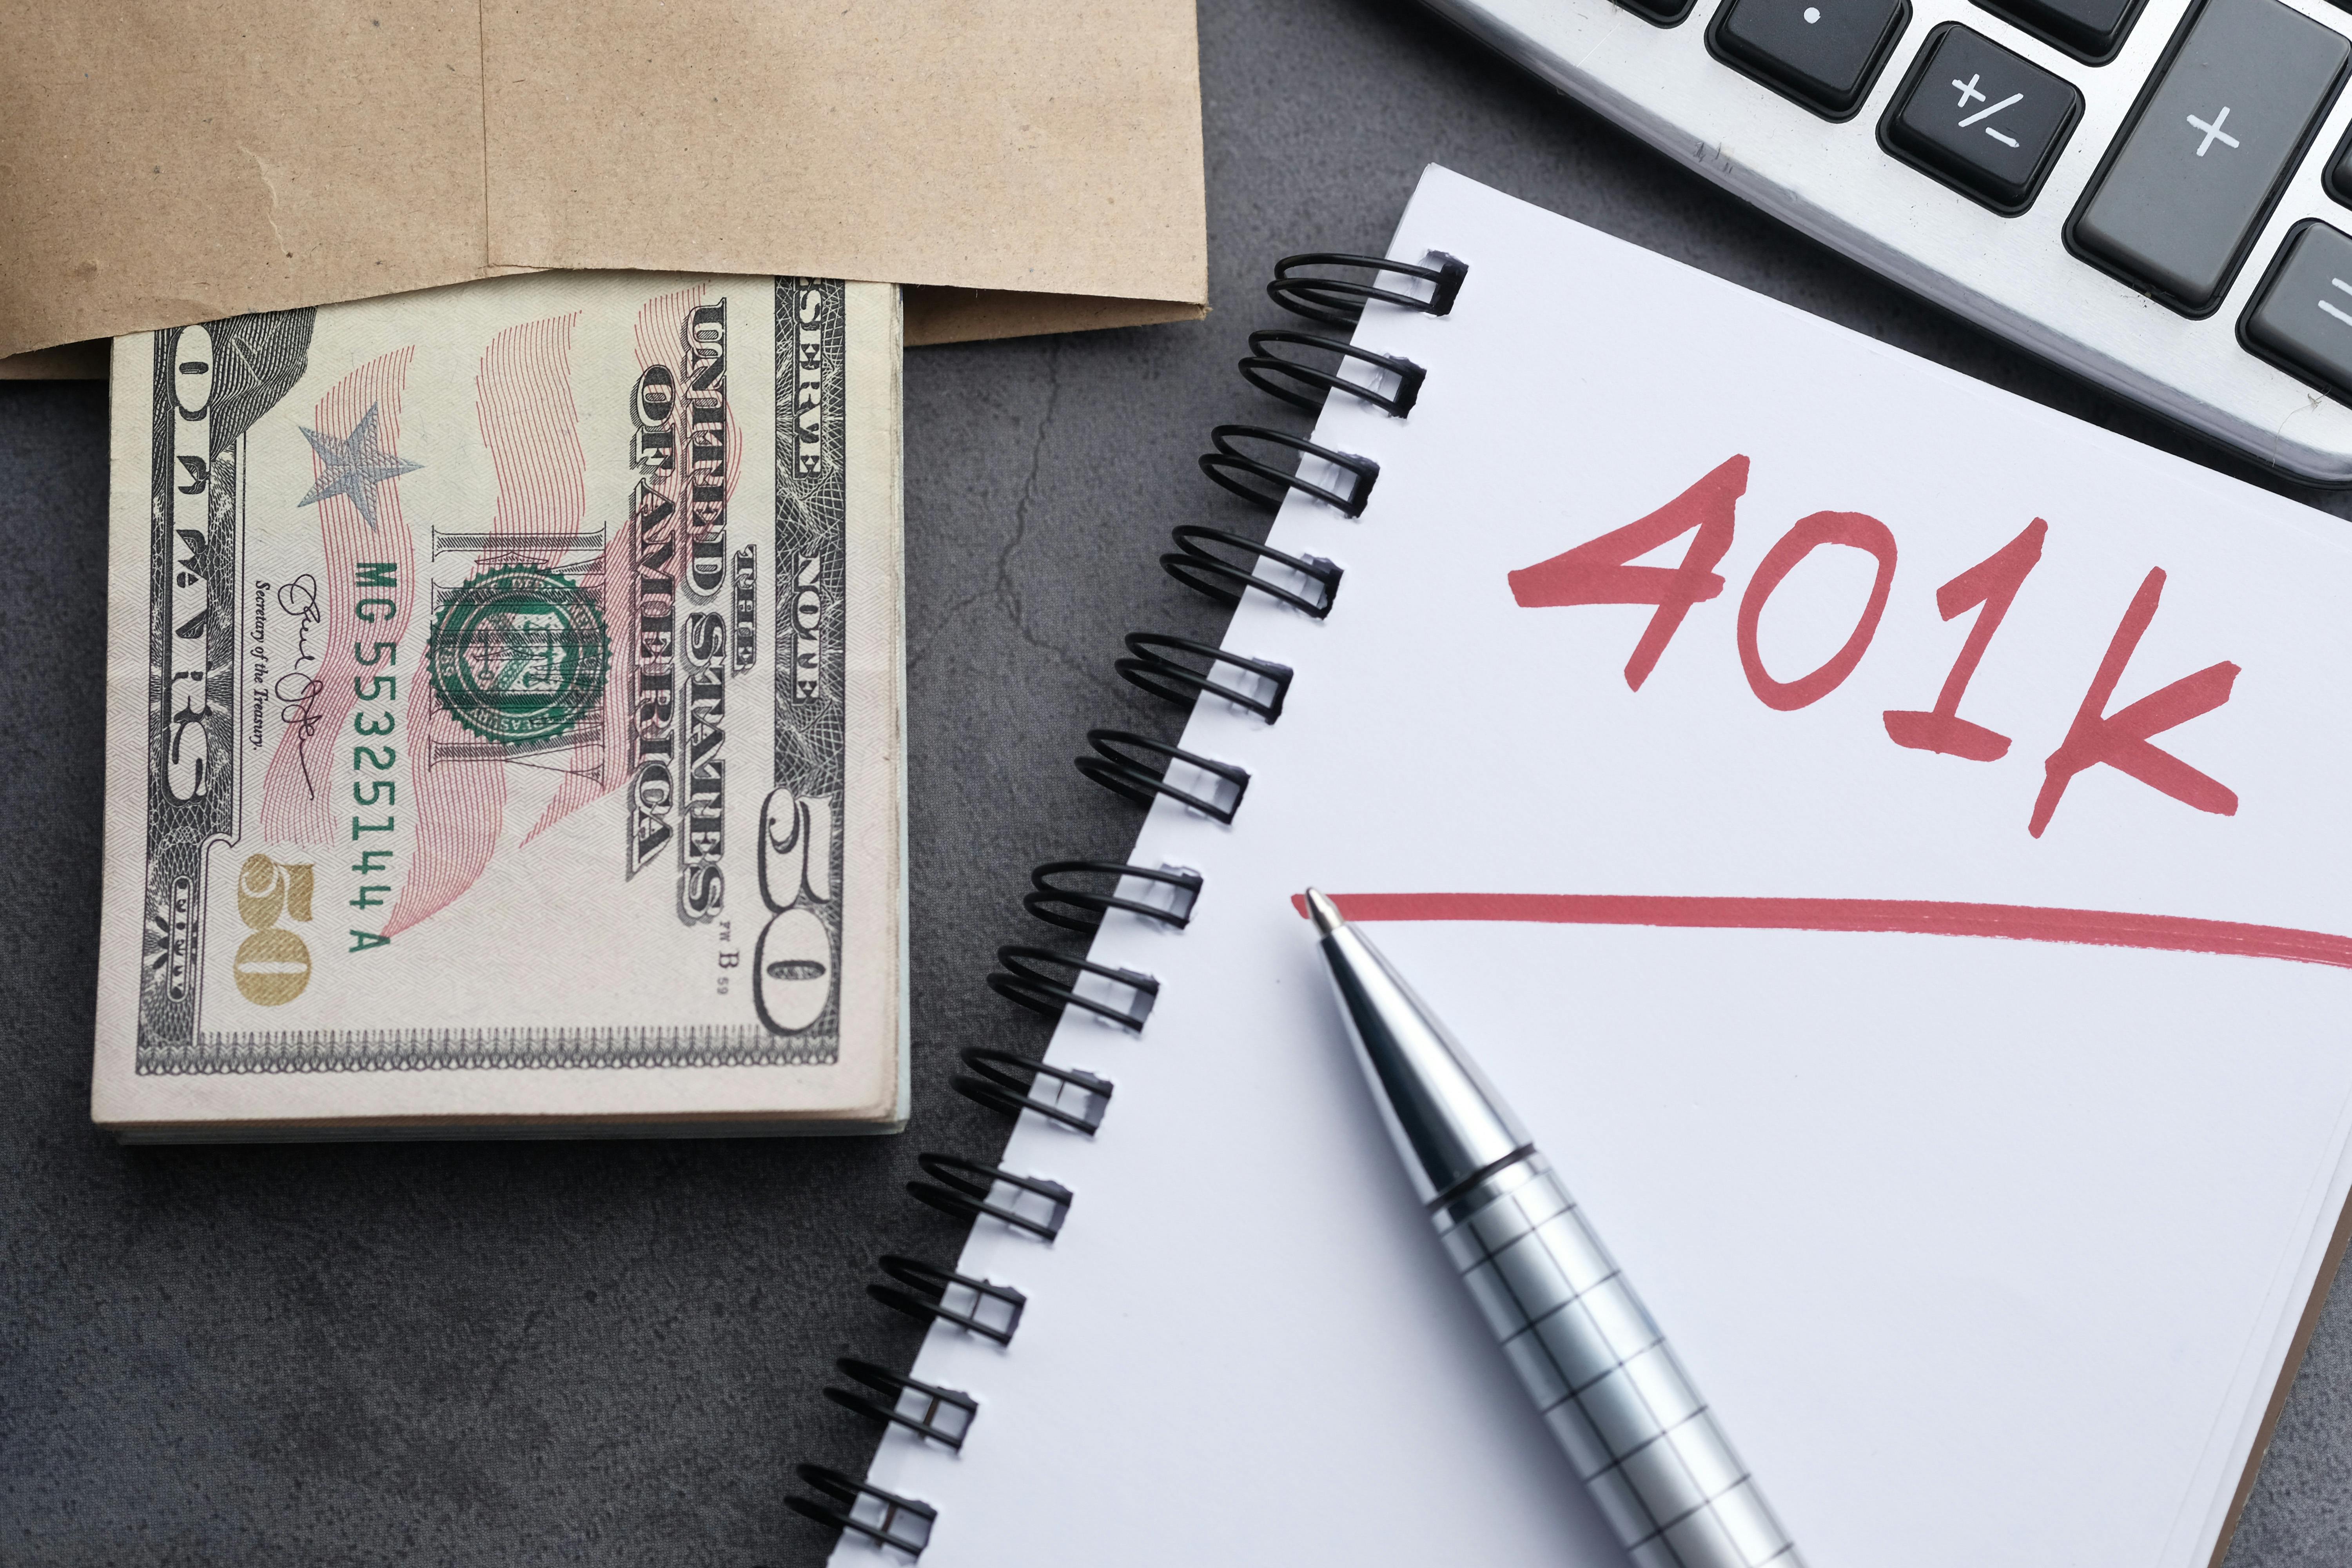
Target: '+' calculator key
[2155, 193]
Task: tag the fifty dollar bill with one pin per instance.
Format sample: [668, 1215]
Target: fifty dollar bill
[505, 714]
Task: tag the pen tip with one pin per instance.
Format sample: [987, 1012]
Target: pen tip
[1326, 913]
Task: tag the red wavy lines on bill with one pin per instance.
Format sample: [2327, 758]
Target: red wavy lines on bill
[660, 328]
[299, 801]
[522, 401]
[2022, 922]
[531, 426]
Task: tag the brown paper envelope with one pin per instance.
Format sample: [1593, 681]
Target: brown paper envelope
[1036, 166]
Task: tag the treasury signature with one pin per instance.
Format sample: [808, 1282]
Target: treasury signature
[299, 599]
[298, 695]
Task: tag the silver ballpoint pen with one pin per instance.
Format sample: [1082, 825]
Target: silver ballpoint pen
[1582, 1344]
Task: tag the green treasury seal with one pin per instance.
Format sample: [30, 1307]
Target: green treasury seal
[518, 655]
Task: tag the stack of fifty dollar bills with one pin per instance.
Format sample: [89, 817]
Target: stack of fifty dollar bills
[505, 726]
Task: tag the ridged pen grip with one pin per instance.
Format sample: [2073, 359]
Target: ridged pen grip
[1609, 1387]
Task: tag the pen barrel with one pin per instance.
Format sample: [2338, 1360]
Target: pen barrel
[1608, 1385]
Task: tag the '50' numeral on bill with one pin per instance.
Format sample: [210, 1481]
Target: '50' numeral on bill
[792, 967]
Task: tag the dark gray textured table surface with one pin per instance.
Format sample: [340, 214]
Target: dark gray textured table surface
[611, 1353]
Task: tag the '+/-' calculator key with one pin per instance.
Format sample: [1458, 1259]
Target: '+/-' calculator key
[2129, 188]
[1984, 120]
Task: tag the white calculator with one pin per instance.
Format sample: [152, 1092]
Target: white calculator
[2156, 193]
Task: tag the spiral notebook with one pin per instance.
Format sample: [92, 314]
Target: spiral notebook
[1886, 839]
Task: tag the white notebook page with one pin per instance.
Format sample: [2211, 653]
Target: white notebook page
[1983, 1250]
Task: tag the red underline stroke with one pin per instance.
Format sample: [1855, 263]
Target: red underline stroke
[2020, 922]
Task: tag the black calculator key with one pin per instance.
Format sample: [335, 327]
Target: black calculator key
[2303, 317]
[1663, 12]
[1822, 53]
[2338, 178]
[1980, 118]
[2202, 165]
[2090, 30]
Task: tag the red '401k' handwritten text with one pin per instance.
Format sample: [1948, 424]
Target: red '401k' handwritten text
[1599, 572]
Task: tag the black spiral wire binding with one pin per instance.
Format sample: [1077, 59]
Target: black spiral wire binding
[1339, 300]
[1262, 365]
[1054, 903]
[943, 1414]
[1229, 460]
[893, 1520]
[1113, 768]
[1194, 564]
[1019, 981]
[934, 1294]
[1225, 567]
[1004, 1080]
[1150, 668]
[969, 1189]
